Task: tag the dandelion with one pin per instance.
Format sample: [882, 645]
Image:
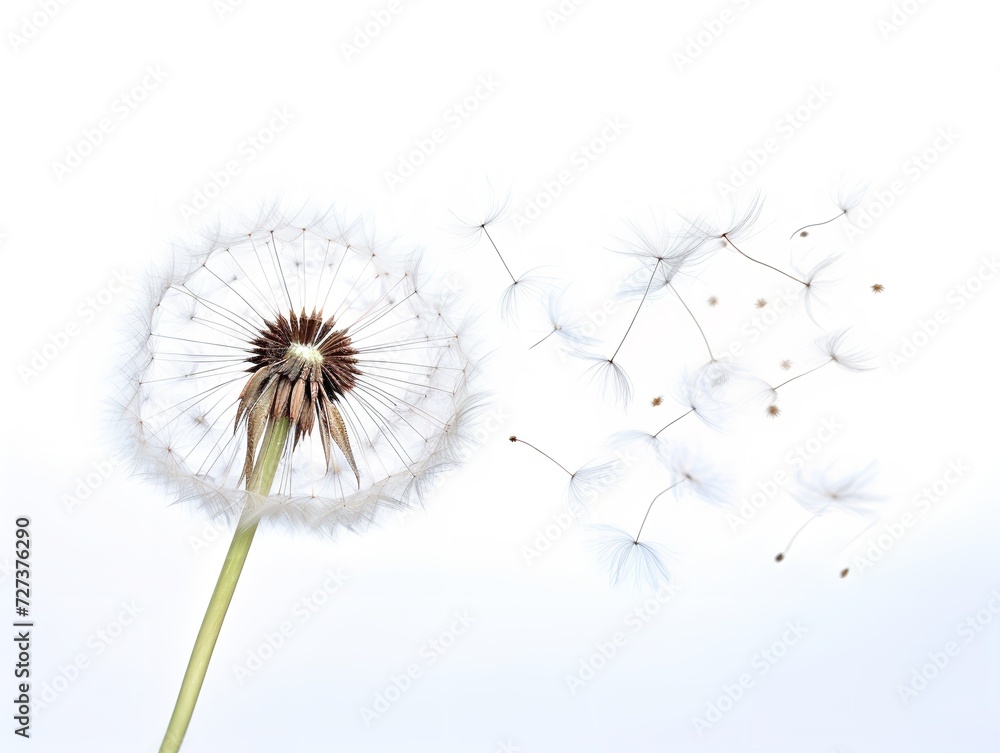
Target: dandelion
[848, 199]
[822, 493]
[293, 370]
[584, 483]
[878, 287]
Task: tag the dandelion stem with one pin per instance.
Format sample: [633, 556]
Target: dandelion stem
[765, 264]
[672, 423]
[259, 483]
[791, 541]
[544, 454]
[817, 224]
[711, 357]
[637, 310]
[648, 509]
[512, 278]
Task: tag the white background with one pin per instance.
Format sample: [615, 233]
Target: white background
[894, 83]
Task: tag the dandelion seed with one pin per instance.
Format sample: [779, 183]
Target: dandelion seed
[274, 357]
[527, 285]
[878, 287]
[565, 328]
[656, 401]
[628, 560]
[847, 200]
[761, 303]
[584, 483]
[713, 301]
[786, 364]
[822, 493]
[817, 283]
[668, 257]
[735, 228]
[773, 411]
[833, 349]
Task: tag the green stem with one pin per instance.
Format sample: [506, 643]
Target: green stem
[259, 482]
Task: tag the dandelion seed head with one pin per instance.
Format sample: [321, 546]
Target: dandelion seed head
[311, 319]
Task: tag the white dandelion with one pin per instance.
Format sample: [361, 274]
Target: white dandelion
[292, 370]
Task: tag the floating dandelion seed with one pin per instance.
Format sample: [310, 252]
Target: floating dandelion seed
[848, 199]
[628, 560]
[817, 283]
[663, 258]
[528, 285]
[878, 287]
[627, 557]
[786, 364]
[761, 303]
[734, 229]
[773, 411]
[656, 401]
[585, 482]
[713, 301]
[565, 328]
[823, 493]
[833, 349]
[295, 371]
